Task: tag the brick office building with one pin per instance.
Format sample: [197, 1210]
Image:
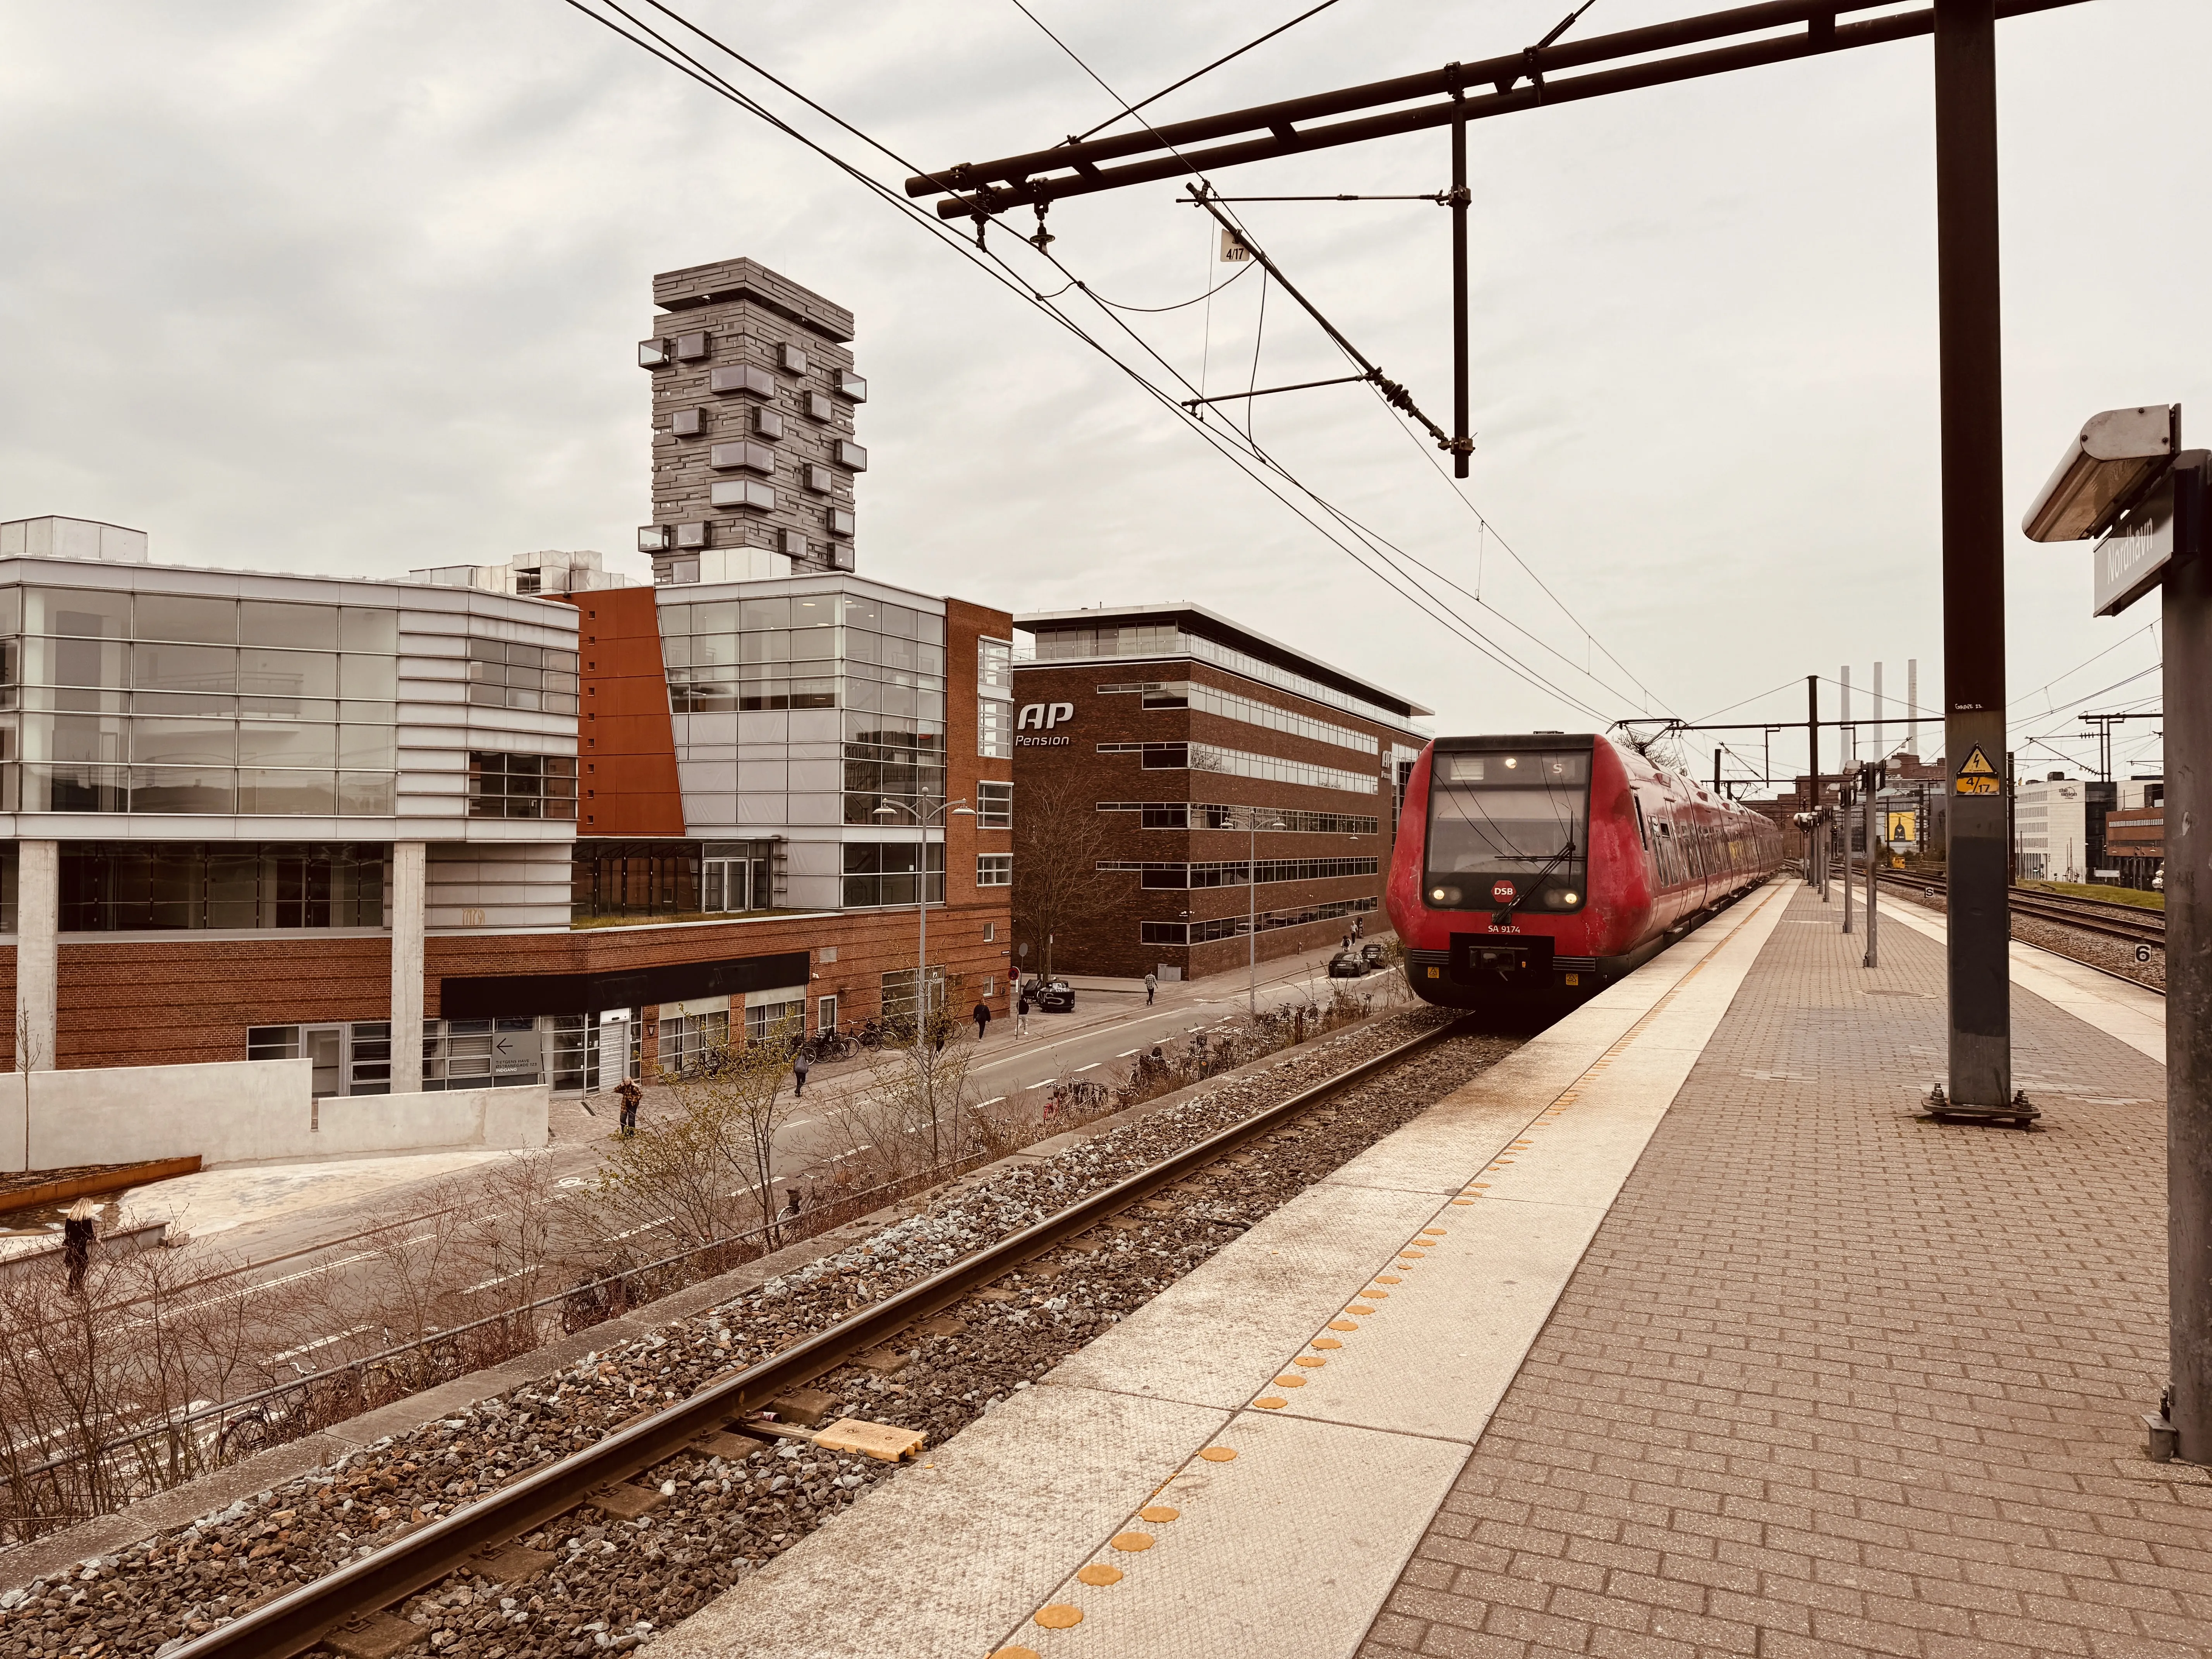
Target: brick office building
[1199, 745]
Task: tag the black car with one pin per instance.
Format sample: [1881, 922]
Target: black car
[1373, 956]
[1053, 996]
[1348, 965]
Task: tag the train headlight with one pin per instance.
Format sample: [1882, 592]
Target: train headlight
[1566, 901]
[1443, 895]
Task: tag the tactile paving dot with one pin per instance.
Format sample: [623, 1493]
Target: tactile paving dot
[1015, 1653]
[1060, 1616]
[1218, 1454]
[1271, 1403]
[1100, 1574]
[1326, 1342]
[1309, 1359]
[1386, 1279]
[1290, 1382]
[1342, 1325]
[1158, 1513]
[1130, 1542]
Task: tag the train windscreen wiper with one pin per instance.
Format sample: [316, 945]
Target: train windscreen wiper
[1504, 918]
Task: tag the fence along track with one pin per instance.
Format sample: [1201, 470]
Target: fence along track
[297, 1620]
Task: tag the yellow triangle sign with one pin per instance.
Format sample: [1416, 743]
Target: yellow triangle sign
[1978, 765]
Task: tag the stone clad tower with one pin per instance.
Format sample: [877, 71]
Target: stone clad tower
[754, 396]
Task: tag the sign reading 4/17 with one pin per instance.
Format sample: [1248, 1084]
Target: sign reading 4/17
[1977, 776]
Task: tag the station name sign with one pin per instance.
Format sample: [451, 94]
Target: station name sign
[2132, 559]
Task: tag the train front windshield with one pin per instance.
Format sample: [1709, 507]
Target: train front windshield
[1508, 828]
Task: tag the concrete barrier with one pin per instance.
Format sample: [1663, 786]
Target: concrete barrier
[243, 1112]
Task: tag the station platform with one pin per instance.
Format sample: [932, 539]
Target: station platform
[1677, 1331]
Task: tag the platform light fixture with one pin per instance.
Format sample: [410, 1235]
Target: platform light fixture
[2119, 454]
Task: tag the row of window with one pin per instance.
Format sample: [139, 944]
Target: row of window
[853, 611]
[151, 740]
[1211, 700]
[826, 650]
[1236, 762]
[504, 674]
[1211, 815]
[697, 346]
[109, 887]
[220, 670]
[87, 613]
[1235, 873]
[744, 455]
[877, 873]
[1199, 932]
[33, 786]
[1165, 640]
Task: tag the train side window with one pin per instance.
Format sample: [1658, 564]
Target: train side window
[1642, 829]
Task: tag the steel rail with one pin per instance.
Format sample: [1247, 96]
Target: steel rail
[297, 1620]
[2093, 915]
[987, 187]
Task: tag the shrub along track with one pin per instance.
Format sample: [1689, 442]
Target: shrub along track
[925, 1325]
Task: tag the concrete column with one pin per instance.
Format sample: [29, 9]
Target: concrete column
[38, 956]
[410, 859]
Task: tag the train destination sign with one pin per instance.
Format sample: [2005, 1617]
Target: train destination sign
[2132, 559]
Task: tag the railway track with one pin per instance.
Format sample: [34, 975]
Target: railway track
[2127, 922]
[465, 1538]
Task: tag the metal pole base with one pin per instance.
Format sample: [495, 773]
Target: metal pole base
[1940, 1108]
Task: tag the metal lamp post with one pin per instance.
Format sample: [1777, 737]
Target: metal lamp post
[943, 813]
[1252, 905]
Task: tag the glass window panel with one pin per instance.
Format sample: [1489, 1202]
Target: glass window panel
[488, 673]
[367, 629]
[365, 794]
[772, 646]
[929, 658]
[294, 708]
[721, 618]
[533, 678]
[288, 673]
[929, 627]
[767, 613]
[77, 613]
[486, 650]
[526, 656]
[368, 676]
[813, 609]
[286, 792]
[861, 612]
[182, 703]
[74, 662]
[489, 696]
[366, 745]
[184, 743]
[11, 609]
[184, 667]
[896, 621]
[273, 743]
[266, 622]
[861, 647]
[813, 644]
[517, 698]
[564, 661]
[183, 616]
[675, 619]
[180, 789]
[94, 739]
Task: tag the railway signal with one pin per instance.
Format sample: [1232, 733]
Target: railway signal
[2126, 480]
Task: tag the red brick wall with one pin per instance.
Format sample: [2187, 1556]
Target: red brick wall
[625, 744]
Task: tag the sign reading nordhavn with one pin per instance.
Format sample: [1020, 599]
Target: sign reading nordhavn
[2132, 559]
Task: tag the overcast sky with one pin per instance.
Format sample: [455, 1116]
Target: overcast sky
[337, 286]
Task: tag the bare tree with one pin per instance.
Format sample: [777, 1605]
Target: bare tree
[1058, 838]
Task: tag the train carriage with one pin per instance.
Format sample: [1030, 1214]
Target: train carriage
[1541, 866]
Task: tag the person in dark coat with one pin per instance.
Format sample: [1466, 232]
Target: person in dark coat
[983, 1018]
[77, 1234]
[629, 1094]
[800, 1063]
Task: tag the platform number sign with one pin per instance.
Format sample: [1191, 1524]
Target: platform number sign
[1235, 250]
[2142, 953]
[1977, 776]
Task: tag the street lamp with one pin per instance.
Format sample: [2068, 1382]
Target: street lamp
[1252, 902]
[923, 816]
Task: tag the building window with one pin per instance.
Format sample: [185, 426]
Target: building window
[850, 384]
[994, 805]
[691, 1042]
[994, 729]
[690, 348]
[506, 675]
[742, 453]
[990, 933]
[521, 785]
[788, 1012]
[994, 666]
[850, 456]
[112, 887]
[994, 869]
[898, 994]
[880, 873]
[1199, 932]
[741, 377]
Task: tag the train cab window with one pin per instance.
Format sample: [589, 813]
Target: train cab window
[1642, 827]
[1508, 827]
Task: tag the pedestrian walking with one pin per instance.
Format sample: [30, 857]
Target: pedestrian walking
[1021, 1014]
[77, 1231]
[800, 1063]
[1151, 987]
[983, 1018]
[629, 1094]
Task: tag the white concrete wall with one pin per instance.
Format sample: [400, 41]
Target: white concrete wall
[515, 887]
[241, 1112]
[38, 960]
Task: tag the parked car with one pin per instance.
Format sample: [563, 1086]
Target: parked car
[1348, 965]
[1053, 996]
[1373, 956]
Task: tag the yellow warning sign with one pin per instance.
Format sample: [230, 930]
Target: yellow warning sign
[1901, 826]
[1977, 776]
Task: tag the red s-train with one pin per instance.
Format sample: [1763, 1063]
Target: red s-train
[1546, 864]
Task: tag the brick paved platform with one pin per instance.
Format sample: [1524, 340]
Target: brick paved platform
[1832, 1380]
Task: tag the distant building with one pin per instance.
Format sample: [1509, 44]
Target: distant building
[1187, 743]
[2052, 828]
[546, 573]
